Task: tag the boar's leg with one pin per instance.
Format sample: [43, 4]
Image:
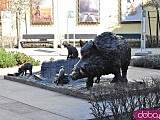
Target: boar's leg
[30, 70]
[124, 74]
[117, 75]
[25, 72]
[89, 82]
[58, 81]
[22, 73]
[98, 79]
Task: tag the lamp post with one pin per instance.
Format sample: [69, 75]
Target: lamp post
[56, 11]
[143, 29]
[143, 51]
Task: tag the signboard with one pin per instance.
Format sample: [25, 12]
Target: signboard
[144, 21]
[70, 18]
[6, 23]
[70, 14]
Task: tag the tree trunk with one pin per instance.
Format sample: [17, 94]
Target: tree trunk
[18, 29]
[157, 26]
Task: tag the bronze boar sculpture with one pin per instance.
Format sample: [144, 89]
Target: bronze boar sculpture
[82, 43]
[23, 69]
[106, 54]
[72, 51]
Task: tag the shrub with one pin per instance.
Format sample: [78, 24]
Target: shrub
[149, 61]
[6, 59]
[22, 58]
[121, 100]
[10, 59]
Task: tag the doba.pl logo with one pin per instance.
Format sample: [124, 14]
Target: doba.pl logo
[147, 114]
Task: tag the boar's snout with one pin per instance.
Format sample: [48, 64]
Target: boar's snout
[73, 75]
[77, 73]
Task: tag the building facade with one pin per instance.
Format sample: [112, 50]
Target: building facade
[67, 18]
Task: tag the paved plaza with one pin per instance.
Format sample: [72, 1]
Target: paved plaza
[23, 102]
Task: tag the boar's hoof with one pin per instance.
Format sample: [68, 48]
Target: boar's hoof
[98, 79]
[119, 80]
[89, 85]
[124, 80]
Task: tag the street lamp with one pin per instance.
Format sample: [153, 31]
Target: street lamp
[143, 51]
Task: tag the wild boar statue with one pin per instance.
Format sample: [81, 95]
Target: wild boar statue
[106, 54]
[23, 69]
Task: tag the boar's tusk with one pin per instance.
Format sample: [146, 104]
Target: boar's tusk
[81, 72]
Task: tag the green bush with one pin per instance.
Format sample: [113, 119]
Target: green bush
[6, 59]
[149, 61]
[22, 58]
[10, 59]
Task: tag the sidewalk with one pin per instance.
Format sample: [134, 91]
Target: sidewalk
[23, 102]
[44, 54]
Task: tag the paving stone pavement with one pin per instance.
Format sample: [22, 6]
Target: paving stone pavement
[24, 102]
[15, 110]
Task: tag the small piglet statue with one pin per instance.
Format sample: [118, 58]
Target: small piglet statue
[23, 69]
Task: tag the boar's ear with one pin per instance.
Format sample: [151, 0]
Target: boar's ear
[91, 42]
[94, 44]
[87, 46]
[98, 47]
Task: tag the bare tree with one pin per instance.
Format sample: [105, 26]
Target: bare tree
[19, 8]
[119, 101]
[156, 5]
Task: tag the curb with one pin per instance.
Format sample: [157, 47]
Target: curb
[66, 91]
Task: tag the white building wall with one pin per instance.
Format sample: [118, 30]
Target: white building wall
[109, 21]
[60, 26]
